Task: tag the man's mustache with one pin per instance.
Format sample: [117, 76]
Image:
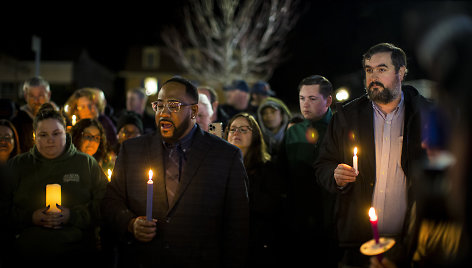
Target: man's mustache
[375, 83]
[165, 120]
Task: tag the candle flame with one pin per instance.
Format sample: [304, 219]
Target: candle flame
[74, 119]
[109, 175]
[150, 174]
[372, 215]
[355, 150]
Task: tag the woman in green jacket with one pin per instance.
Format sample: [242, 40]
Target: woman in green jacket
[70, 233]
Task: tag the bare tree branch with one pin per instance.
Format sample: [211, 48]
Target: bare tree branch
[232, 39]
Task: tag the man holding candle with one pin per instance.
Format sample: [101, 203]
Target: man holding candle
[385, 125]
[200, 212]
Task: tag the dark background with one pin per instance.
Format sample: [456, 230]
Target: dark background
[329, 39]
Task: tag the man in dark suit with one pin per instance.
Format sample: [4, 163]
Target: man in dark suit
[200, 206]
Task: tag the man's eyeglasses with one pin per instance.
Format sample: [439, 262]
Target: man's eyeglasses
[89, 137]
[241, 129]
[6, 139]
[172, 106]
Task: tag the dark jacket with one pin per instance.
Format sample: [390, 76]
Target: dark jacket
[206, 225]
[82, 185]
[24, 125]
[352, 125]
[266, 203]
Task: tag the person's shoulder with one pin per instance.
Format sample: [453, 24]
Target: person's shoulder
[143, 140]
[20, 158]
[413, 95]
[355, 103]
[21, 117]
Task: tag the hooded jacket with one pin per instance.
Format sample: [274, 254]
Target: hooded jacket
[273, 140]
[82, 186]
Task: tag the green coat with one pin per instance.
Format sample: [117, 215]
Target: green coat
[82, 185]
[309, 207]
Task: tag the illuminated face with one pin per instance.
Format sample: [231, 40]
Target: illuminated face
[313, 105]
[86, 108]
[240, 134]
[50, 138]
[203, 117]
[175, 125]
[36, 96]
[7, 142]
[128, 131]
[90, 140]
[383, 85]
[272, 118]
[214, 105]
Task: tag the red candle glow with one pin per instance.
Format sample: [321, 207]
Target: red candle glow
[373, 222]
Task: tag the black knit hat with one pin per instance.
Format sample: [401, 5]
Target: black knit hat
[130, 117]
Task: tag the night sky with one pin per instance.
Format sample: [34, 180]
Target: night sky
[329, 38]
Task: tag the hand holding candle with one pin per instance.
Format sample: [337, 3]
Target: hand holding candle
[149, 197]
[354, 160]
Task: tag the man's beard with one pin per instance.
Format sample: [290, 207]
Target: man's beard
[381, 96]
[178, 131]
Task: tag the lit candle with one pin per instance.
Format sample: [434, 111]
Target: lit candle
[74, 119]
[373, 222]
[149, 197]
[53, 197]
[109, 175]
[354, 159]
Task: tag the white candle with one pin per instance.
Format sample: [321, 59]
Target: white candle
[149, 198]
[74, 119]
[53, 197]
[354, 159]
[109, 175]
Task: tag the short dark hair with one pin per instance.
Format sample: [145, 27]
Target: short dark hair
[398, 56]
[190, 89]
[47, 111]
[326, 88]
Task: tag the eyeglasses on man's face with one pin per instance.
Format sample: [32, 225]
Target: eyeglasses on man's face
[90, 137]
[172, 106]
[241, 129]
[6, 139]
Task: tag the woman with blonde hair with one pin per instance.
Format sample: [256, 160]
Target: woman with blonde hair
[89, 103]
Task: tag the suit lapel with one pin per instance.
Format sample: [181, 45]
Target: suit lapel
[156, 160]
[195, 157]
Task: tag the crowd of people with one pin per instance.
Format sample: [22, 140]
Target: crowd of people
[276, 188]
